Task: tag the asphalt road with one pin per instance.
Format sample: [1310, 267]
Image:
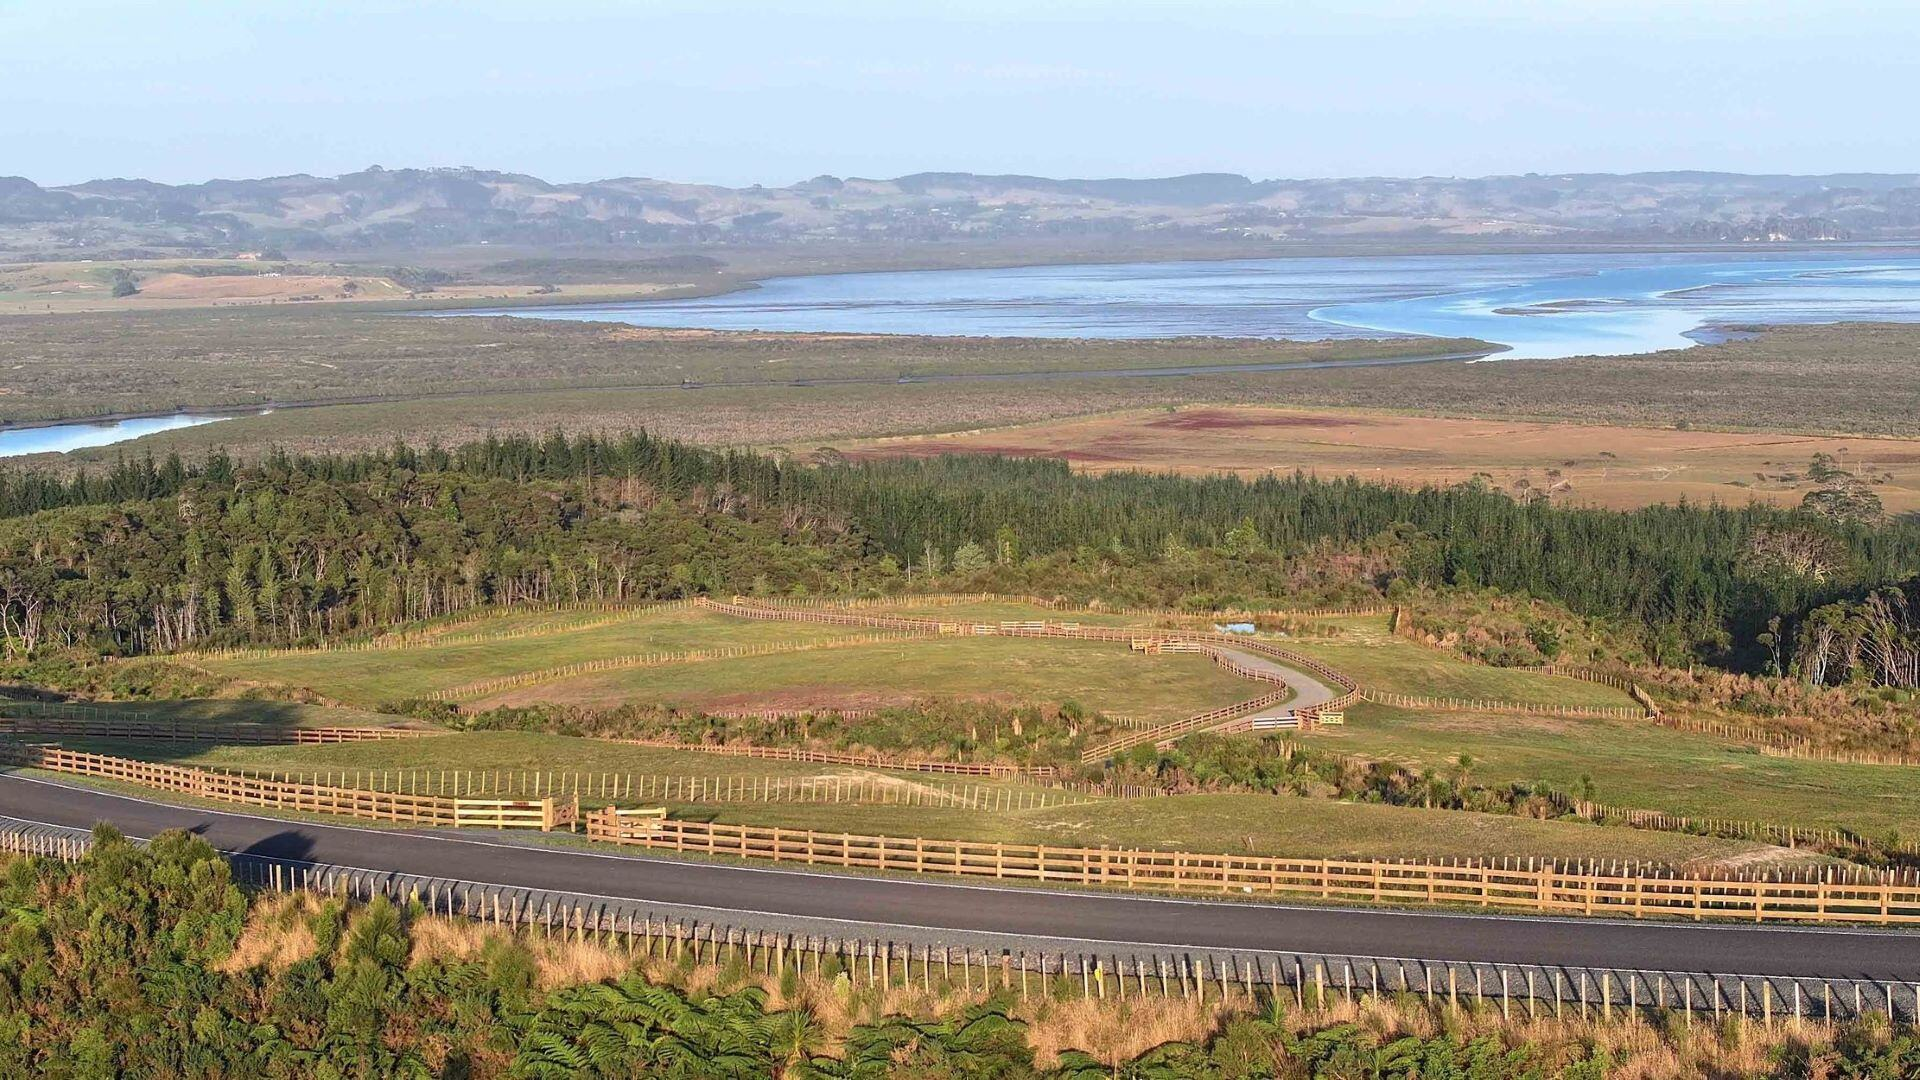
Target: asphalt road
[1066, 920]
[1308, 690]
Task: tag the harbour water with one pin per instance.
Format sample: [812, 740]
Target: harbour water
[1544, 306]
[60, 438]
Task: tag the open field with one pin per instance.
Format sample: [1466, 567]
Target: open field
[93, 364]
[62, 288]
[1639, 765]
[1256, 824]
[231, 711]
[1382, 660]
[1259, 824]
[997, 611]
[507, 752]
[1363, 648]
[371, 677]
[519, 375]
[1100, 676]
[1583, 463]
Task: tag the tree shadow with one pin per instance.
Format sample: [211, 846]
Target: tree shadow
[287, 845]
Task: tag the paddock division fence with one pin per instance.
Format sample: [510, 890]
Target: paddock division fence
[1782, 744]
[627, 787]
[829, 757]
[444, 634]
[817, 712]
[1768, 741]
[484, 687]
[1132, 636]
[957, 599]
[111, 724]
[1447, 704]
[545, 814]
[1030, 967]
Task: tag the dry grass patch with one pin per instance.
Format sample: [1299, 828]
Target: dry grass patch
[277, 934]
[1581, 463]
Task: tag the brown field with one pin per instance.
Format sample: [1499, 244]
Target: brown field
[55, 288]
[216, 288]
[1580, 463]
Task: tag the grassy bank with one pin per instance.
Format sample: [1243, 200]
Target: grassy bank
[1638, 764]
[1100, 676]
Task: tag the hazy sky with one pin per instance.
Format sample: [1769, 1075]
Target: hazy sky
[738, 93]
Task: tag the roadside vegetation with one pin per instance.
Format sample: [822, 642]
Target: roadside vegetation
[430, 570]
[151, 962]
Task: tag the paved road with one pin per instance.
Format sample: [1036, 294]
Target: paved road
[1308, 690]
[925, 910]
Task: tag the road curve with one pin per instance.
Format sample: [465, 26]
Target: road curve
[1308, 690]
[906, 909]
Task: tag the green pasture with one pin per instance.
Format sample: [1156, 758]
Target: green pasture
[1102, 676]
[371, 677]
[1640, 764]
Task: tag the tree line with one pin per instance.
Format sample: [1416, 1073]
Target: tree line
[295, 546]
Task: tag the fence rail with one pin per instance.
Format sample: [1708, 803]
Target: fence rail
[545, 814]
[1827, 897]
[1133, 636]
[1448, 704]
[829, 757]
[957, 599]
[628, 787]
[957, 959]
[484, 687]
[114, 727]
[616, 611]
[1541, 890]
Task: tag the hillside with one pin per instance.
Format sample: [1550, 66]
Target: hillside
[389, 209]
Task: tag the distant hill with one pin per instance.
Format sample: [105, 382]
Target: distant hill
[425, 208]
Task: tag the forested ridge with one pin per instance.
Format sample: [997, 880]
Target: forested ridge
[149, 556]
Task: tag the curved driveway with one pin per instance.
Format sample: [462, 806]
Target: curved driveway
[1307, 688]
[923, 910]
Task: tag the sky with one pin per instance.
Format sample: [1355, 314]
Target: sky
[723, 91]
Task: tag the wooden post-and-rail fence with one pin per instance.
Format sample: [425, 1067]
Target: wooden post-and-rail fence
[830, 757]
[1254, 980]
[1133, 636]
[613, 612]
[1826, 896]
[83, 722]
[484, 687]
[1545, 889]
[628, 787]
[545, 814]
